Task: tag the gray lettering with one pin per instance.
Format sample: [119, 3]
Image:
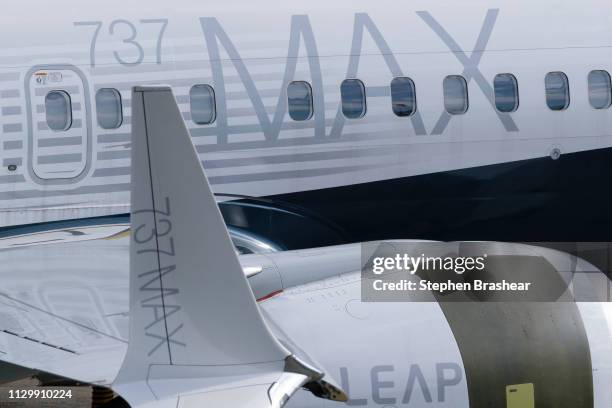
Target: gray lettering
[130, 39]
[344, 380]
[94, 39]
[160, 36]
[470, 65]
[167, 311]
[443, 381]
[378, 385]
[165, 339]
[363, 21]
[416, 375]
[300, 28]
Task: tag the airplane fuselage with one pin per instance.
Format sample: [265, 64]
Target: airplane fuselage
[431, 174]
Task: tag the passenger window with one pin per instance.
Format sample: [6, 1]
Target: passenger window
[202, 101]
[557, 91]
[108, 108]
[299, 95]
[403, 96]
[600, 89]
[506, 93]
[353, 96]
[455, 95]
[58, 109]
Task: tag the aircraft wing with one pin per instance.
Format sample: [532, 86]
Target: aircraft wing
[197, 336]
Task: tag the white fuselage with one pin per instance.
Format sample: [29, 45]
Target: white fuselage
[249, 53]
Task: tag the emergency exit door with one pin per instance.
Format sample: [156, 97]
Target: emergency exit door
[59, 130]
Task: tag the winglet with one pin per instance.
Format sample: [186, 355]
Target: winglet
[195, 327]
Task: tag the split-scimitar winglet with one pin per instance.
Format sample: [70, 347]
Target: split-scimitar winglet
[197, 337]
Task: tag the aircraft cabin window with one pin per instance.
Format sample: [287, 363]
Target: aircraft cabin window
[353, 96]
[108, 108]
[455, 95]
[557, 91]
[58, 110]
[600, 89]
[403, 96]
[299, 96]
[506, 93]
[202, 101]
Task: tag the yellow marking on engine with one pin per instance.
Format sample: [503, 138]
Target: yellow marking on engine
[520, 396]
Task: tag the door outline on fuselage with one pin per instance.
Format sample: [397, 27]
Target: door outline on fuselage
[30, 125]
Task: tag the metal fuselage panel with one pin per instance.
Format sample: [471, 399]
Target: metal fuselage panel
[249, 54]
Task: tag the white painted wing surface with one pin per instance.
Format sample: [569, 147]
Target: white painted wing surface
[195, 328]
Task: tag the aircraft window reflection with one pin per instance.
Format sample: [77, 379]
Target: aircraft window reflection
[58, 109]
[557, 91]
[108, 108]
[202, 101]
[299, 95]
[455, 95]
[403, 96]
[353, 96]
[600, 89]
[506, 93]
